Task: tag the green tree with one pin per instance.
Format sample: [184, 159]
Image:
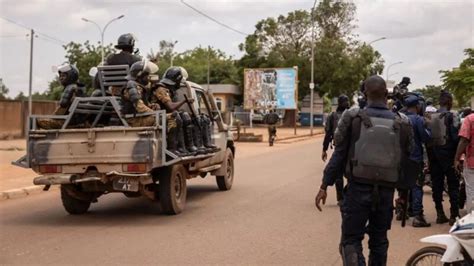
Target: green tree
[460, 80]
[195, 61]
[85, 56]
[431, 92]
[3, 90]
[341, 62]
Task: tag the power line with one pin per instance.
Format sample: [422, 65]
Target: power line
[29, 28]
[50, 41]
[213, 19]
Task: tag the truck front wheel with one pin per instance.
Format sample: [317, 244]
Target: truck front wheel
[225, 182]
[173, 190]
[72, 204]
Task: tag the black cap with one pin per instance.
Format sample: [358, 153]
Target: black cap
[406, 80]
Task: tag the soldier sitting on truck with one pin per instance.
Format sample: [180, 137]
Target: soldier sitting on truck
[196, 135]
[125, 43]
[68, 77]
[137, 97]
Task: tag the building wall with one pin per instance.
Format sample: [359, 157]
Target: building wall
[224, 101]
[14, 114]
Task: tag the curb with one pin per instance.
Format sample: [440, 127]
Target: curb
[21, 192]
[296, 138]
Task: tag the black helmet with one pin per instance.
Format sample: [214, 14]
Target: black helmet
[405, 80]
[174, 76]
[141, 68]
[125, 41]
[71, 72]
[342, 98]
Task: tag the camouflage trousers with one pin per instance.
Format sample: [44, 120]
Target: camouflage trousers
[141, 121]
[48, 123]
[149, 120]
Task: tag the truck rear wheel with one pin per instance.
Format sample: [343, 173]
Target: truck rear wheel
[172, 189]
[225, 182]
[72, 204]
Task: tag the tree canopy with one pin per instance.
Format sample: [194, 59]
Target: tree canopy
[460, 80]
[341, 61]
[195, 61]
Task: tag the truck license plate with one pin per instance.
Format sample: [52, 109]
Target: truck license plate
[126, 184]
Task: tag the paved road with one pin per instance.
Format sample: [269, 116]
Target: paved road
[267, 218]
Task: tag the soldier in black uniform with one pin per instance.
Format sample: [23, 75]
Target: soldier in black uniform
[330, 128]
[372, 144]
[126, 44]
[69, 78]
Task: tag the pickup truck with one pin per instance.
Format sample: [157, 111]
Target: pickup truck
[90, 162]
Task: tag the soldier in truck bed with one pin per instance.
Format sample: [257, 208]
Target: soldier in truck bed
[68, 77]
[126, 44]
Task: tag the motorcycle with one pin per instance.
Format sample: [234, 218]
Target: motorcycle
[458, 246]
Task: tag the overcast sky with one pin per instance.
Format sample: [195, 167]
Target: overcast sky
[426, 35]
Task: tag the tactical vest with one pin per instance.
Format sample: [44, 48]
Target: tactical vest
[437, 124]
[335, 117]
[376, 153]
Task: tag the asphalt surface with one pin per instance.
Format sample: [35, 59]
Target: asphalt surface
[267, 218]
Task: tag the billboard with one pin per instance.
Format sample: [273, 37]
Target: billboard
[270, 88]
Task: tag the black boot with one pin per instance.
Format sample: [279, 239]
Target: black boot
[172, 143]
[207, 135]
[419, 221]
[197, 138]
[188, 140]
[441, 217]
[453, 217]
[181, 143]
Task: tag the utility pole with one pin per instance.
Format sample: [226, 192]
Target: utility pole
[311, 84]
[208, 67]
[30, 103]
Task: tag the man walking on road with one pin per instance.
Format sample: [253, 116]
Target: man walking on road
[372, 145]
[445, 129]
[466, 146]
[330, 128]
[421, 135]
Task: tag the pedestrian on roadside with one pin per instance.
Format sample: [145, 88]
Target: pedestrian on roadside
[330, 128]
[271, 119]
[372, 144]
[466, 147]
[444, 129]
[421, 136]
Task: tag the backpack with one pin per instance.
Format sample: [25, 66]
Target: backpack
[375, 155]
[437, 124]
[271, 118]
[335, 119]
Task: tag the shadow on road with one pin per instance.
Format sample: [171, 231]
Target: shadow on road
[111, 210]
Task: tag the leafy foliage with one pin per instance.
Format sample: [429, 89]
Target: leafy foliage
[3, 90]
[195, 61]
[460, 80]
[341, 62]
[431, 92]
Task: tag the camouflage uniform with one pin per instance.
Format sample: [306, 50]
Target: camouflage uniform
[70, 92]
[162, 96]
[135, 99]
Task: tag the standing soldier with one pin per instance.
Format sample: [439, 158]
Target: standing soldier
[372, 144]
[421, 135]
[330, 128]
[444, 128]
[69, 78]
